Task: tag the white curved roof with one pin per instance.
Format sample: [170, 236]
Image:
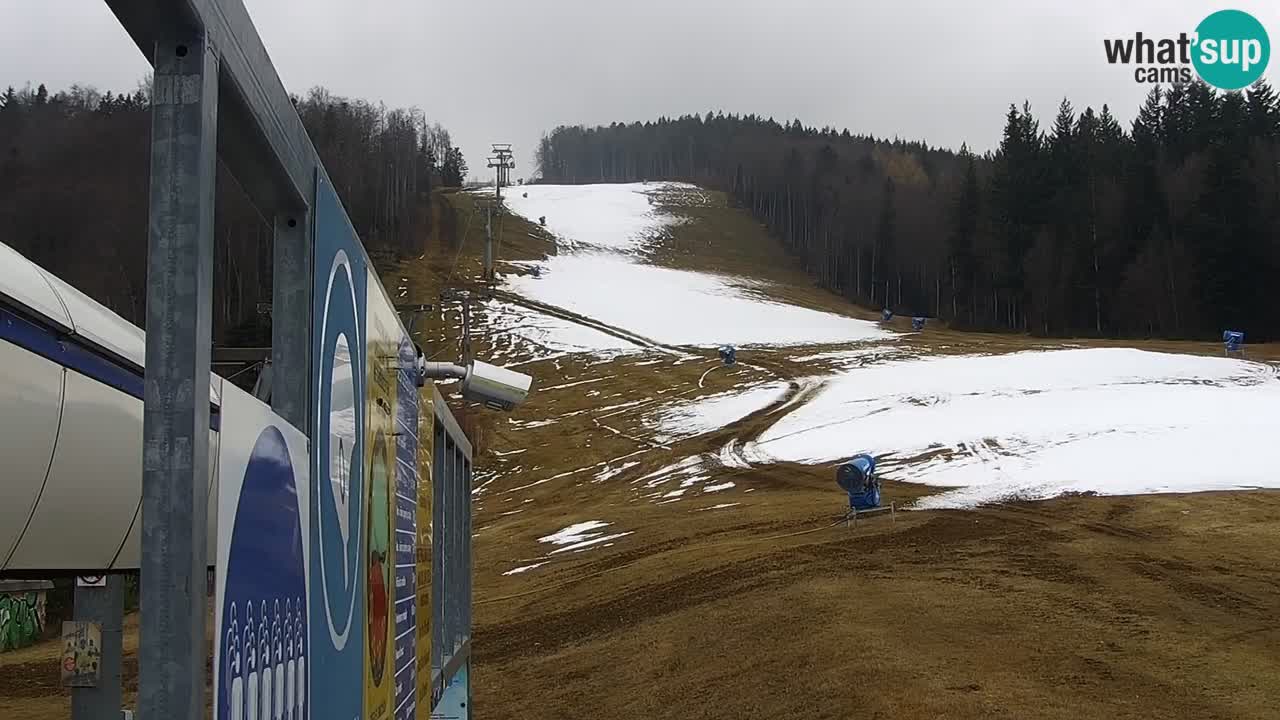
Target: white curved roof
[99, 325]
[24, 283]
[71, 444]
[46, 295]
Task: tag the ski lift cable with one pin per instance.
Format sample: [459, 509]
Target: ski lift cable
[463, 243]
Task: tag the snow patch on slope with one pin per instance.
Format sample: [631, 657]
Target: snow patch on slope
[580, 536]
[1035, 425]
[680, 307]
[514, 331]
[612, 217]
[695, 417]
[600, 273]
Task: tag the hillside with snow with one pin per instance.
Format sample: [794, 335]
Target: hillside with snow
[985, 427]
[1089, 530]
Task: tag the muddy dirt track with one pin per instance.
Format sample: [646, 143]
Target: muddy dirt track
[1079, 607]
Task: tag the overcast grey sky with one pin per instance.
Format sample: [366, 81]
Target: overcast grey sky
[508, 70]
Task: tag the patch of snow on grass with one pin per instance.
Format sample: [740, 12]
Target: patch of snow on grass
[579, 547]
[690, 471]
[536, 483]
[530, 424]
[717, 488]
[576, 383]
[691, 462]
[1037, 424]
[524, 569]
[516, 330]
[706, 414]
[575, 533]
[611, 472]
[863, 354]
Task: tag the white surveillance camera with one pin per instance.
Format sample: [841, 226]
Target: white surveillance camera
[498, 388]
[420, 367]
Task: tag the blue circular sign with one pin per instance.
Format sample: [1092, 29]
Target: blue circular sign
[339, 448]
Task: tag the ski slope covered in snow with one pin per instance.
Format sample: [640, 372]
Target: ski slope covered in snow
[988, 428]
[617, 218]
[1033, 425]
[604, 231]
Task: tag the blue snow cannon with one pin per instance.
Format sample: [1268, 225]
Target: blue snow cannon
[858, 478]
[728, 355]
[1233, 339]
[886, 315]
[917, 323]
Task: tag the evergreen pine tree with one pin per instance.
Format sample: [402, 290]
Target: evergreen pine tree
[1062, 147]
[961, 239]
[883, 253]
[1263, 111]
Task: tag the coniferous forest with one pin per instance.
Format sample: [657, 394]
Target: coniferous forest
[1081, 227]
[74, 169]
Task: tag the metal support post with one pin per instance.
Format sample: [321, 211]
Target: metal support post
[105, 607]
[466, 330]
[440, 574]
[291, 318]
[488, 243]
[175, 427]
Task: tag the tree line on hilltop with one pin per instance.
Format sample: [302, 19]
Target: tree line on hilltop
[1168, 228]
[74, 169]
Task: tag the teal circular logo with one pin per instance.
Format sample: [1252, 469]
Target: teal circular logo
[1232, 49]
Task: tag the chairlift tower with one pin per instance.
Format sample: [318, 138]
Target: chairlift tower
[501, 162]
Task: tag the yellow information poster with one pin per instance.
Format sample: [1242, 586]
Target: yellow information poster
[426, 441]
[383, 332]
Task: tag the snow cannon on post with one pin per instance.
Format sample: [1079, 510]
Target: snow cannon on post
[1233, 340]
[917, 324]
[857, 477]
[728, 355]
[886, 315]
